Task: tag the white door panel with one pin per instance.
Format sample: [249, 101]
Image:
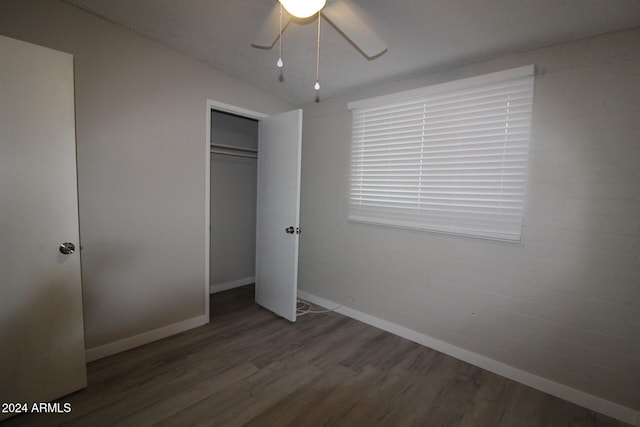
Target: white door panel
[279, 156]
[41, 324]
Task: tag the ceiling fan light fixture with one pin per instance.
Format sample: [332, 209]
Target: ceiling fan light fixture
[303, 8]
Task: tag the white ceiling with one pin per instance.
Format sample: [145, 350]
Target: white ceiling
[422, 36]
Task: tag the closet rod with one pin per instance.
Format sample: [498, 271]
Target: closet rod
[232, 147]
[226, 153]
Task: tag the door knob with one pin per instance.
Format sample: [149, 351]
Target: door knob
[67, 248]
[290, 230]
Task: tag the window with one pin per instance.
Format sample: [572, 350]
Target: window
[448, 158]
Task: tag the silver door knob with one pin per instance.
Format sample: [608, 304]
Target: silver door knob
[67, 248]
[290, 230]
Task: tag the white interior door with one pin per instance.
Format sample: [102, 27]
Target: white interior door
[278, 213]
[41, 324]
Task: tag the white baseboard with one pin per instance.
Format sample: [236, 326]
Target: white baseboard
[96, 353]
[219, 287]
[578, 397]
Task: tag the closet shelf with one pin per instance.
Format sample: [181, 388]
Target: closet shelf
[231, 150]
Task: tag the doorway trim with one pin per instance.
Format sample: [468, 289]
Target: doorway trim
[238, 111]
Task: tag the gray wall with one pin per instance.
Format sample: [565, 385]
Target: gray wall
[233, 201]
[141, 131]
[564, 304]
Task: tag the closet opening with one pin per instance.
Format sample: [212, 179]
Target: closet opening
[252, 205]
[233, 192]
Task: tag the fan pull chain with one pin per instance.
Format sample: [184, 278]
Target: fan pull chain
[280, 64]
[317, 85]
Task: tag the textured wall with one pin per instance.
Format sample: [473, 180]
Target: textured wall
[233, 201]
[141, 131]
[564, 304]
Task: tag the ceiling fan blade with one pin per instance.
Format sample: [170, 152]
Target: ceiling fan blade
[269, 32]
[353, 28]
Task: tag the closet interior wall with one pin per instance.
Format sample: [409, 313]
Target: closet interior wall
[233, 201]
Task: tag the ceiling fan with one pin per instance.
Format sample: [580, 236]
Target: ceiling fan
[337, 12]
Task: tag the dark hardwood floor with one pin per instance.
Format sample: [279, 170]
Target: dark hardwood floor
[248, 367]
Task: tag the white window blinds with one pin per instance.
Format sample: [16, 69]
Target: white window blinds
[449, 158]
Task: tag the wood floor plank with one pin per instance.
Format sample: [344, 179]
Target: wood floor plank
[337, 403]
[251, 396]
[170, 404]
[296, 408]
[249, 367]
[422, 393]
